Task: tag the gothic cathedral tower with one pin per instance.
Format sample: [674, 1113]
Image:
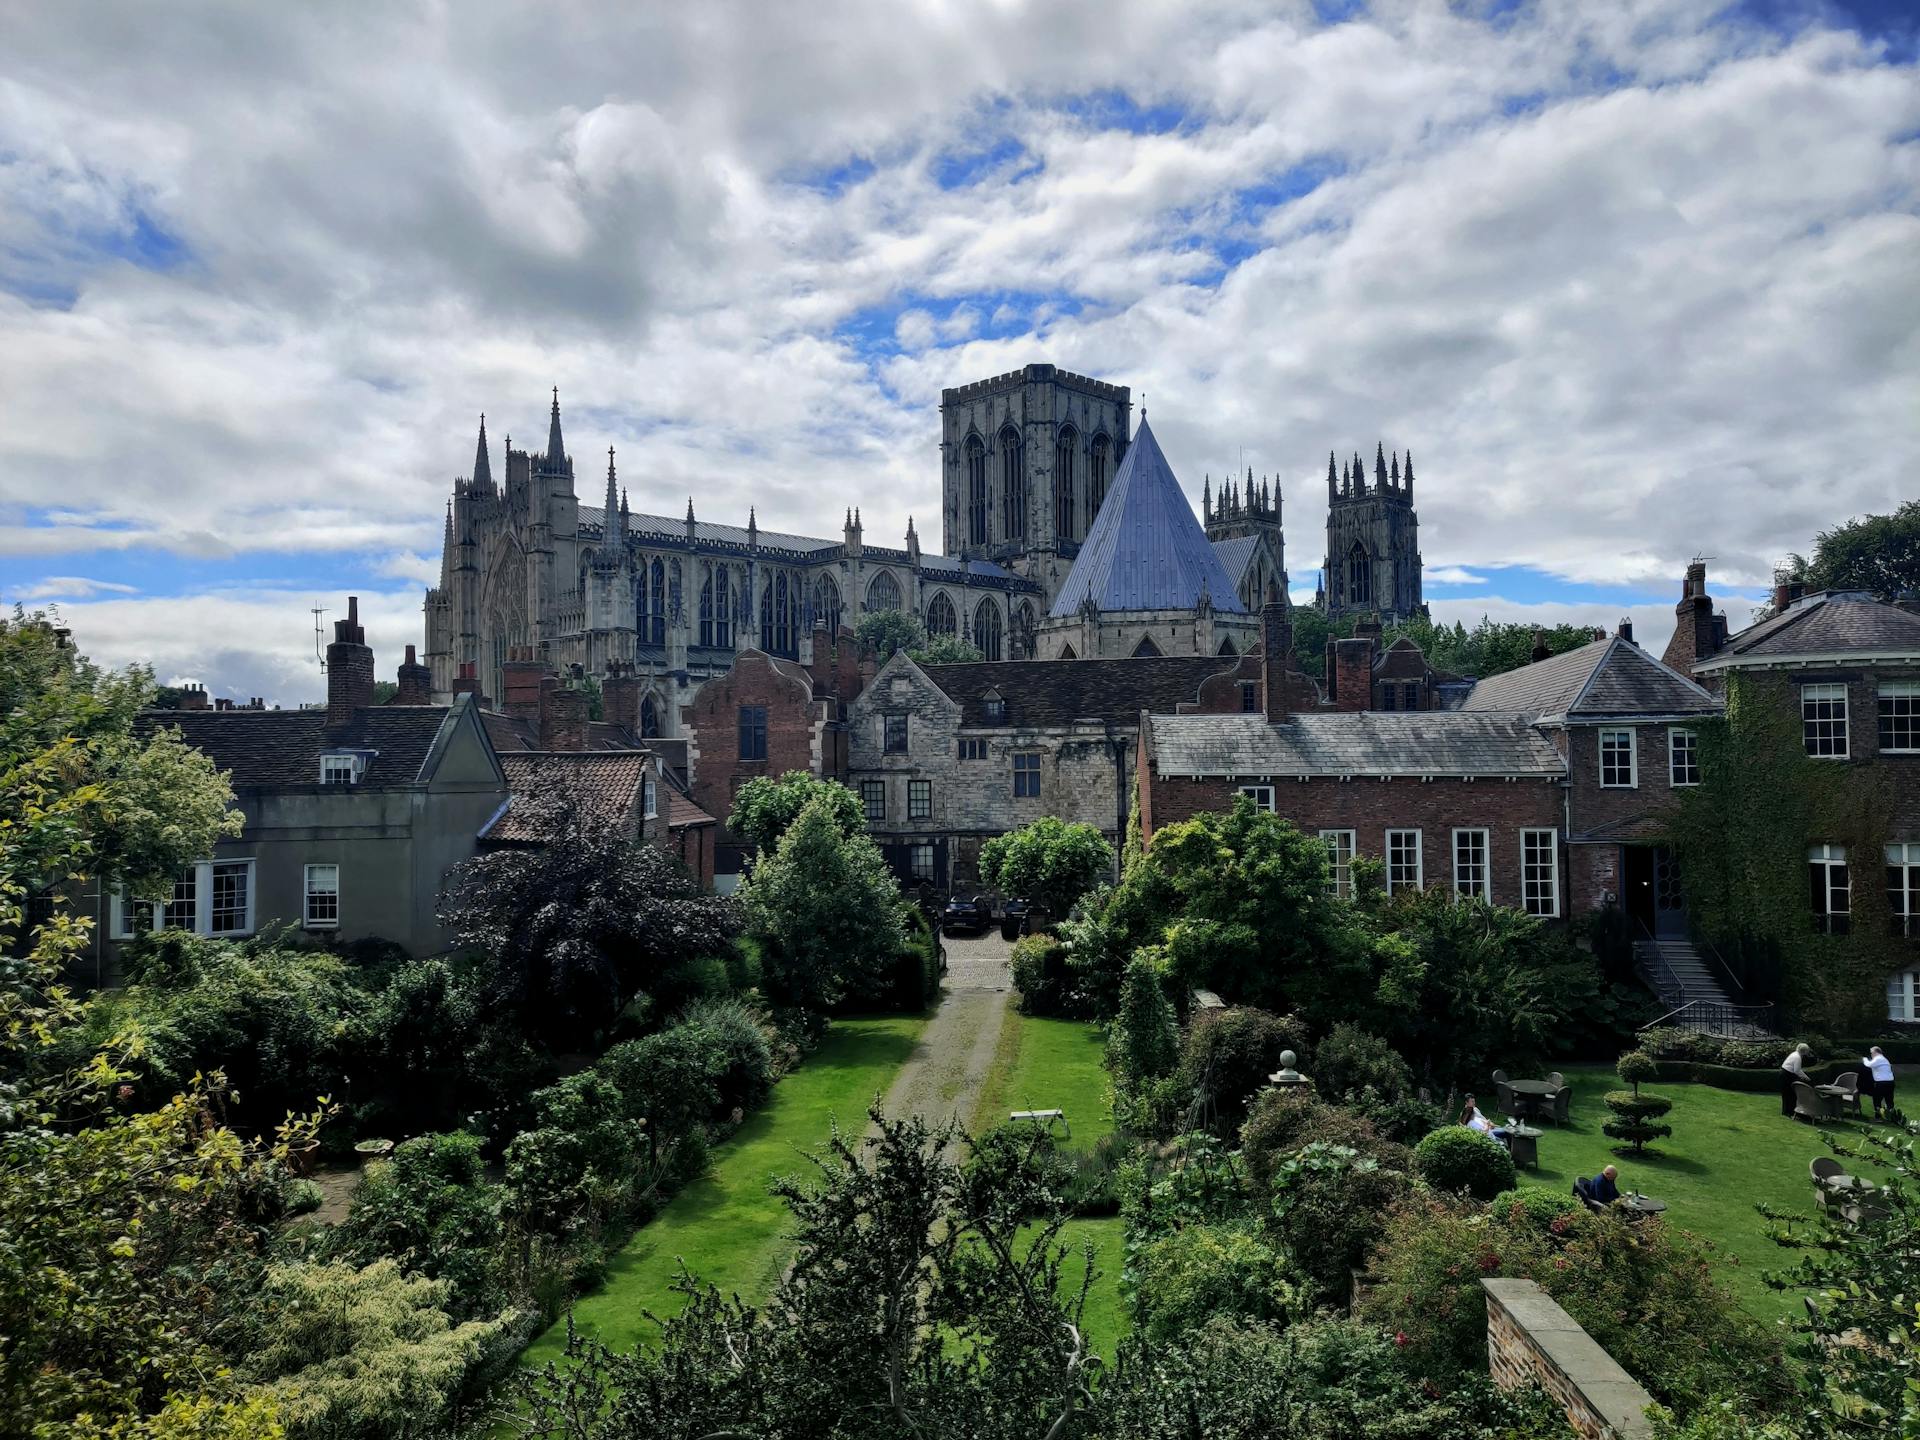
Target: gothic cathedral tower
[1373, 540]
[1025, 462]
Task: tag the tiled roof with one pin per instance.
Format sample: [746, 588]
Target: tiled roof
[514, 732]
[281, 749]
[682, 812]
[1366, 742]
[1599, 680]
[601, 786]
[1058, 692]
[1145, 550]
[1834, 623]
[1235, 555]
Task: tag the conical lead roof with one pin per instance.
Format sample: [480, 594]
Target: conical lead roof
[1146, 551]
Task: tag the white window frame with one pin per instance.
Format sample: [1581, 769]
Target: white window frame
[1540, 893]
[649, 799]
[869, 788]
[920, 806]
[1904, 900]
[307, 894]
[1824, 693]
[1903, 995]
[1897, 691]
[120, 921]
[913, 860]
[341, 768]
[1632, 782]
[1419, 862]
[1683, 739]
[1341, 845]
[1261, 795]
[1485, 880]
[1827, 857]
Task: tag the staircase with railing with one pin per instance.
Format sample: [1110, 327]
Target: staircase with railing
[1704, 995]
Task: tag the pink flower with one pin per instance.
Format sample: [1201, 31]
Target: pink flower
[1400, 1338]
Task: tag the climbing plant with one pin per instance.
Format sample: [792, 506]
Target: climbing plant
[1742, 836]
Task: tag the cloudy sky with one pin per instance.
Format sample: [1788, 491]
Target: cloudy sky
[1634, 280]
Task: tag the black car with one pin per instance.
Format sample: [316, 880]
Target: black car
[1014, 917]
[967, 914]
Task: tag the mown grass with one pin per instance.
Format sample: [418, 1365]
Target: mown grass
[726, 1226]
[1729, 1152]
[1059, 1065]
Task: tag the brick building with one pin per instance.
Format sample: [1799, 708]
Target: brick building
[945, 757]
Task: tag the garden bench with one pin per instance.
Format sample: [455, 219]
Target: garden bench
[1044, 1119]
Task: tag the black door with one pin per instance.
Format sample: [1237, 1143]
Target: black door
[1653, 897]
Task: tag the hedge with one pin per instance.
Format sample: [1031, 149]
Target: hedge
[1757, 1081]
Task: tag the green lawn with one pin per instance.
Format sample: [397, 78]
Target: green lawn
[1057, 1065]
[725, 1225]
[1729, 1152]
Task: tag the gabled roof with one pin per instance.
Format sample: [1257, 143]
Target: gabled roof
[281, 749]
[1833, 625]
[1146, 550]
[1604, 679]
[1059, 692]
[603, 787]
[1363, 742]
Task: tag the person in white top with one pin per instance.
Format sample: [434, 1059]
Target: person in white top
[1880, 1076]
[1793, 1071]
[1474, 1120]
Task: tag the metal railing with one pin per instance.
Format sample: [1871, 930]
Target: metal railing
[1721, 1018]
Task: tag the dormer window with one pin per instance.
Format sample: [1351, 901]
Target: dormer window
[994, 706]
[342, 768]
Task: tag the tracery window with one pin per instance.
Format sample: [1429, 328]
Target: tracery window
[656, 627]
[1359, 575]
[976, 491]
[883, 593]
[778, 602]
[940, 617]
[1063, 482]
[987, 630]
[716, 607]
[826, 604]
[1013, 485]
[1098, 454]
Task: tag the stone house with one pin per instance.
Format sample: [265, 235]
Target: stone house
[945, 757]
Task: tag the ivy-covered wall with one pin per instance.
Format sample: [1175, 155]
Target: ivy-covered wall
[1742, 836]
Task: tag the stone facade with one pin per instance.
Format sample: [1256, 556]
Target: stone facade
[1026, 459]
[1532, 1341]
[1373, 560]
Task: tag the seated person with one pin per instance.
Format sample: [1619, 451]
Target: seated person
[1474, 1120]
[1603, 1188]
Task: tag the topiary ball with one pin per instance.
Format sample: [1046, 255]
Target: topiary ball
[1465, 1161]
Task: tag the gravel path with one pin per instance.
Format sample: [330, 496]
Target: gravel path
[942, 1079]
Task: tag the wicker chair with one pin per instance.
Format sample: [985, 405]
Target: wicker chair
[1563, 1105]
[1557, 1080]
[1503, 1094]
[1849, 1082]
[1499, 1077]
[1807, 1104]
[1821, 1170]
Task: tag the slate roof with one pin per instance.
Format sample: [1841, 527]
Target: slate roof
[1235, 555]
[281, 749]
[1364, 742]
[1604, 679]
[602, 786]
[1146, 550]
[1832, 623]
[509, 733]
[1058, 692]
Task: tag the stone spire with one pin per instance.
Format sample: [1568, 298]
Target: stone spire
[446, 550]
[1206, 498]
[1333, 485]
[1408, 485]
[1359, 475]
[689, 519]
[1380, 464]
[482, 469]
[612, 514]
[556, 448]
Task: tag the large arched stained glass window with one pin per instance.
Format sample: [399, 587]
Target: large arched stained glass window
[1063, 492]
[826, 604]
[988, 636]
[940, 617]
[1013, 485]
[1359, 575]
[976, 491]
[883, 593]
[1099, 456]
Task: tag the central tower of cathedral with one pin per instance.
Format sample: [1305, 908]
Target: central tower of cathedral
[1373, 540]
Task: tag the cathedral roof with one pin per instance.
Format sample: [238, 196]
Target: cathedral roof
[1236, 555]
[1146, 550]
[1596, 681]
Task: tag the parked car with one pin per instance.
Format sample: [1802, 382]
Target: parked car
[967, 915]
[1014, 917]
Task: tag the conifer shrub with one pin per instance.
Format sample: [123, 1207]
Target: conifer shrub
[1636, 1117]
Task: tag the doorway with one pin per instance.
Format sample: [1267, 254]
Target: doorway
[1653, 895]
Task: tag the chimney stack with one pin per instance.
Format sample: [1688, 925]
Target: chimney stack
[563, 715]
[193, 697]
[520, 678]
[416, 682]
[1539, 651]
[1785, 592]
[349, 669]
[1626, 629]
[620, 694]
[1698, 633]
[467, 683]
[1276, 653]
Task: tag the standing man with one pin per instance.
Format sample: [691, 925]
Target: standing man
[1880, 1076]
[1793, 1071]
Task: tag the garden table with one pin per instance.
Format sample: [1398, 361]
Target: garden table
[1530, 1095]
[1639, 1206]
[1523, 1141]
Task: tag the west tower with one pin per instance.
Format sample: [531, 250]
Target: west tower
[1373, 539]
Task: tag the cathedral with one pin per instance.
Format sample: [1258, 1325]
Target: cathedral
[1066, 535]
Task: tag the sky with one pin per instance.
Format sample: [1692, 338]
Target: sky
[1635, 281]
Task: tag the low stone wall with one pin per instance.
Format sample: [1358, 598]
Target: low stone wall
[1531, 1340]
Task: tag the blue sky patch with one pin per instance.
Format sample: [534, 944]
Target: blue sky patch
[1117, 110]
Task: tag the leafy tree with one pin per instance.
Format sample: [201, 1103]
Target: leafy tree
[581, 925]
[1489, 648]
[1876, 553]
[128, 1230]
[885, 631]
[826, 912]
[946, 650]
[1145, 1043]
[765, 807]
[1050, 862]
[1636, 1117]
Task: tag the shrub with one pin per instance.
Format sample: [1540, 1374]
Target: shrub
[1636, 1117]
[738, 1043]
[428, 1208]
[1283, 1121]
[1457, 1159]
[303, 1197]
[1041, 976]
[571, 1168]
[1187, 1277]
[1349, 1061]
[1144, 1047]
[1327, 1202]
[665, 1081]
[1227, 1056]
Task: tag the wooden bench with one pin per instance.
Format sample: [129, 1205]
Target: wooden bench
[1044, 1118]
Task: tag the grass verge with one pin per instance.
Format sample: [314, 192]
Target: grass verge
[725, 1225]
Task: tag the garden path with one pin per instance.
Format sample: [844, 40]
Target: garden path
[944, 1076]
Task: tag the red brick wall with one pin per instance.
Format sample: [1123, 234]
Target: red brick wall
[1371, 807]
[694, 845]
[714, 719]
[1220, 694]
[1636, 814]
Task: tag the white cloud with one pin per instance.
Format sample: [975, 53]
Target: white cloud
[1452, 575]
[70, 587]
[1634, 320]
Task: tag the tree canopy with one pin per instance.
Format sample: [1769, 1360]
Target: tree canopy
[1489, 648]
[946, 650]
[1876, 553]
[1050, 862]
[765, 807]
[886, 631]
